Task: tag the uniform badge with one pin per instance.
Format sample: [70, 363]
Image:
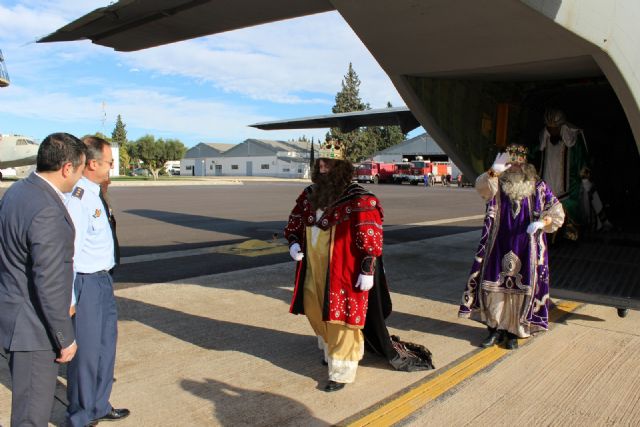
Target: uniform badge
[78, 192]
[97, 213]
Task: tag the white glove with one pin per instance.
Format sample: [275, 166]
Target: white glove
[535, 226]
[365, 282]
[295, 252]
[500, 163]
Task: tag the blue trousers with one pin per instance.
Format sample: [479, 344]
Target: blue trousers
[90, 373]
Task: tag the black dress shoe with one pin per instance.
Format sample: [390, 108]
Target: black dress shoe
[495, 336]
[115, 415]
[333, 386]
[512, 342]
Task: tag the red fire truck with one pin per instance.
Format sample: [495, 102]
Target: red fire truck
[375, 172]
[402, 172]
[414, 172]
[436, 172]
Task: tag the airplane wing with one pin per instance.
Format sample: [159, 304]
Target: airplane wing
[398, 116]
[130, 25]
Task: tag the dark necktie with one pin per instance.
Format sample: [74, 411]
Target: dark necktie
[112, 224]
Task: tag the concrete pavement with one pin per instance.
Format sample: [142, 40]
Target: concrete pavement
[223, 350]
[584, 372]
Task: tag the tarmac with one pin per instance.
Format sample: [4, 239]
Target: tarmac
[222, 350]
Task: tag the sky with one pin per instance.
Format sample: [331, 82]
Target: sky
[202, 90]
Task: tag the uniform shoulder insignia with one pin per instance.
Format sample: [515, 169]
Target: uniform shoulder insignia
[78, 192]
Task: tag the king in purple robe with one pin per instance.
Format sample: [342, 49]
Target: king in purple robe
[508, 288]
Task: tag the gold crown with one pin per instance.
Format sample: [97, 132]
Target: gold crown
[517, 149]
[331, 150]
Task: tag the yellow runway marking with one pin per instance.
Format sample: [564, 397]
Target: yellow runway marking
[406, 404]
[253, 248]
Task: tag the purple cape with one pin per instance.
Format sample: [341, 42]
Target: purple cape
[509, 260]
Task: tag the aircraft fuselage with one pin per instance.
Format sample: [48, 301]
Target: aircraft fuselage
[16, 151]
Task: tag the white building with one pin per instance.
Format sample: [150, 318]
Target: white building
[115, 152]
[200, 160]
[253, 157]
[261, 157]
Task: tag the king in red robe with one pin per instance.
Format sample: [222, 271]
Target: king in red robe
[335, 234]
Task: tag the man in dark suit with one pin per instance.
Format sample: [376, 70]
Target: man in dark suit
[36, 274]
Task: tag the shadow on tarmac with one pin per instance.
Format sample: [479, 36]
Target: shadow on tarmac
[220, 335]
[411, 322]
[264, 230]
[130, 250]
[256, 230]
[227, 399]
[563, 315]
[260, 342]
[199, 265]
[162, 271]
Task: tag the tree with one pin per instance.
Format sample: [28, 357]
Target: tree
[387, 136]
[390, 136]
[348, 99]
[119, 136]
[361, 143]
[312, 156]
[302, 138]
[154, 154]
[357, 143]
[132, 153]
[124, 158]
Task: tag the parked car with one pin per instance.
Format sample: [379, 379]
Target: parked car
[139, 172]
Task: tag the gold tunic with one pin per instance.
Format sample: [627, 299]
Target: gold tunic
[343, 347]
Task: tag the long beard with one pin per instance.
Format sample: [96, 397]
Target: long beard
[325, 191]
[517, 185]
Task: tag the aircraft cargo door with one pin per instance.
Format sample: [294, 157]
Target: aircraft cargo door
[595, 257]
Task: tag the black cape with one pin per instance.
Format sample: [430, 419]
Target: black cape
[403, 356]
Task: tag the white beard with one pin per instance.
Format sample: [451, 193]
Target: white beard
[516, 187]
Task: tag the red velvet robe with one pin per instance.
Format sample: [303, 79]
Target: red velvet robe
[355, 245]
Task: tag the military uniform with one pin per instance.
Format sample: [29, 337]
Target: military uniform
[90, 374]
